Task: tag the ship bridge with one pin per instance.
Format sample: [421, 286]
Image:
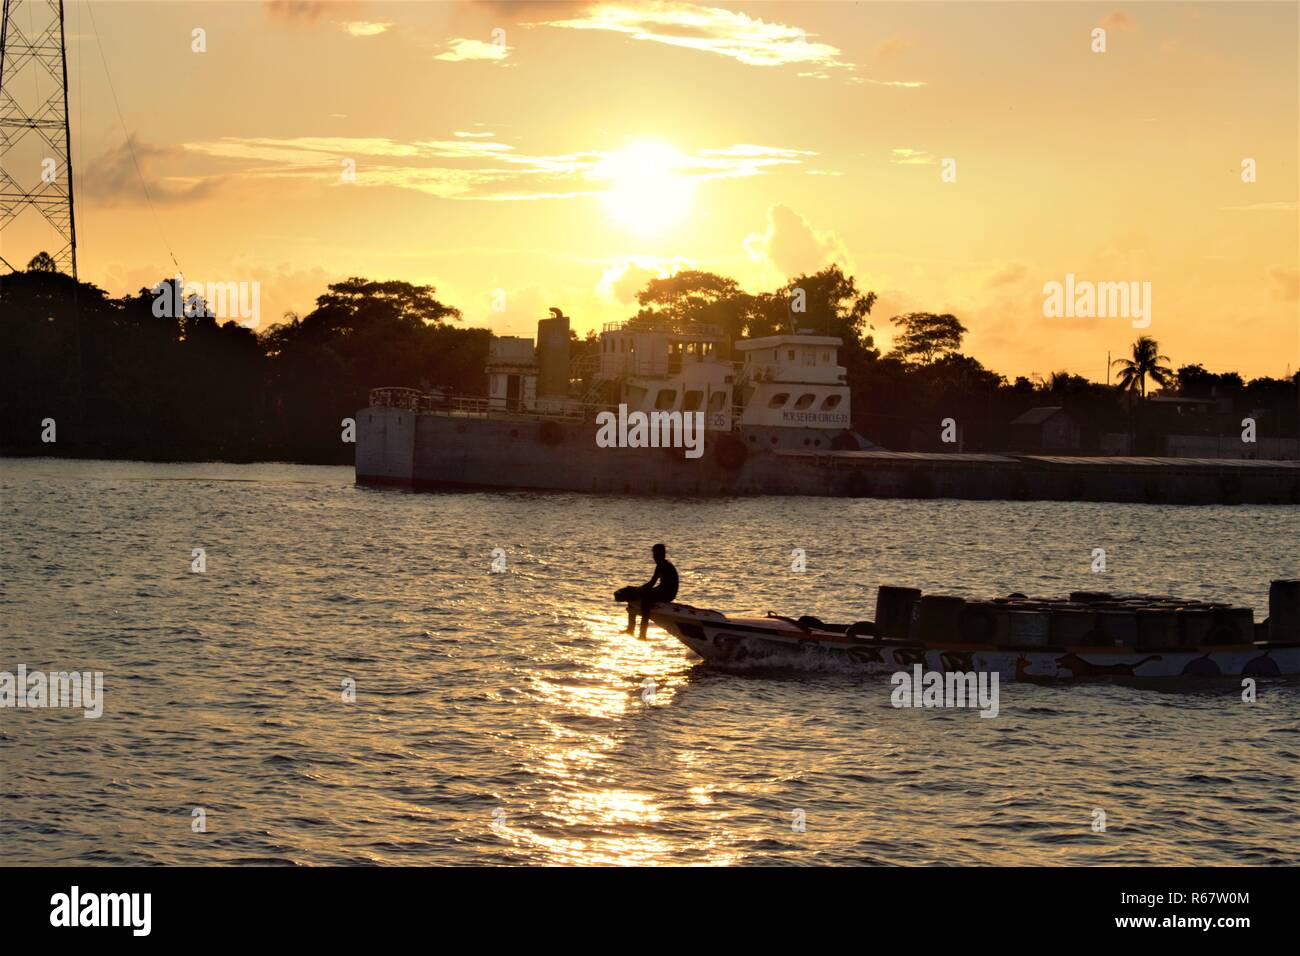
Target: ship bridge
[664, 366]
[793, 381]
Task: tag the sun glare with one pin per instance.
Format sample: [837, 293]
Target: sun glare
[647, 192]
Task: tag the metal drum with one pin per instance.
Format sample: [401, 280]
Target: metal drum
[894, 610]
[939, 619]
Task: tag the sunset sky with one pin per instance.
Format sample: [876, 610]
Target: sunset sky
[590, 147]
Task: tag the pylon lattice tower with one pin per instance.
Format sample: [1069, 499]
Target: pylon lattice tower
[43, 181]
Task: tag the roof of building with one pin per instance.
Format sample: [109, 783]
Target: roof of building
[1036, 416]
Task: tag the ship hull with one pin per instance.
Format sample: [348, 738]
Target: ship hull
[430, 451]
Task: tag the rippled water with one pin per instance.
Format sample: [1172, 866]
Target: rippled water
[505, 718]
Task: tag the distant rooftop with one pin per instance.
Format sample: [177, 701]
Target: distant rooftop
[1036, 416]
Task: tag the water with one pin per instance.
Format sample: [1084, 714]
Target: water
[506, 719]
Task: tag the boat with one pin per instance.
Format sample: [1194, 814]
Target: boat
[1088, 636]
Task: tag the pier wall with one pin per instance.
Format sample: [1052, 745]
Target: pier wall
[397, 446]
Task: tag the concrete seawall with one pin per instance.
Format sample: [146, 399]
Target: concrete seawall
[429, 451]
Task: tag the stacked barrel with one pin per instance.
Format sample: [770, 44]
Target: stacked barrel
[1085, 619]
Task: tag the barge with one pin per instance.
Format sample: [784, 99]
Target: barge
[1087, 636]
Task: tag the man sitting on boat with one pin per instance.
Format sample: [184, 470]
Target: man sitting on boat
[660, 588]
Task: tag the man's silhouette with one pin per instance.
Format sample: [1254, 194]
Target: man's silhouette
[661, 587]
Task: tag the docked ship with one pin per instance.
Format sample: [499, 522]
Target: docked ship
[777, 419]
[766, 404]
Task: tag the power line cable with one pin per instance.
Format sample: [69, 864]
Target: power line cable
[129, 144]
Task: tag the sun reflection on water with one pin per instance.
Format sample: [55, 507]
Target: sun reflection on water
[602, 702]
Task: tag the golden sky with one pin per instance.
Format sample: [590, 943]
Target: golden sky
[566, 152]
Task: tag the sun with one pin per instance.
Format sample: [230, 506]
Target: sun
[648, 192]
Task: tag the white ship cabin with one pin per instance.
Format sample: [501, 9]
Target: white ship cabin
[669, 368]
[794, 381]
[512, 373]
[785, 381]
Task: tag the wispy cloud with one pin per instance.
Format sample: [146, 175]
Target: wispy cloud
[1118, 20]
[1008, 275]
[730, 33]
[305, 11]
[750, 40]
[460, 49]
[1263, 207]
[470, 166]
[904, 84]
[912, 157]
[895, 46]
[364, 28]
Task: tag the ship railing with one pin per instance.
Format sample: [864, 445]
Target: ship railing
[408, 398]
[678, 327]
[467, 406]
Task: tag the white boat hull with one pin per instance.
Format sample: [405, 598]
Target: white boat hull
[718, 638]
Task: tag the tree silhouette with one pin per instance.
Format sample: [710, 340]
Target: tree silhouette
[925, 336]
[1144, 363]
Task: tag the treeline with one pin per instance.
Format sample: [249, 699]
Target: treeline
[120, 380]
[901, 397]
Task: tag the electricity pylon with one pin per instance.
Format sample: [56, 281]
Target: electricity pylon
[33, 58]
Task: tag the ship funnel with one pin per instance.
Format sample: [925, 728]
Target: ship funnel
[553, 355]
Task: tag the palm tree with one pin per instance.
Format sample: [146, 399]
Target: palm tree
[1145, 362]
[1133, 376]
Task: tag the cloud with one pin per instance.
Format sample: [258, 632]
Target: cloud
[304, 11]
[729, 33]
[1118, 20]
[470, 167]
[513, 9]
[1262, 207]
[793, 246]
[123, 174]
[905, 84]
[621, 281]
[912, 157]
[1010, 274]
[363, 28]
[892, 48]
[462, 50]
[1286, 283]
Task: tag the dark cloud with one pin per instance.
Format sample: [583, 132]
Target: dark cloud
[514, 10]
[305, 11]
[113, 177]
